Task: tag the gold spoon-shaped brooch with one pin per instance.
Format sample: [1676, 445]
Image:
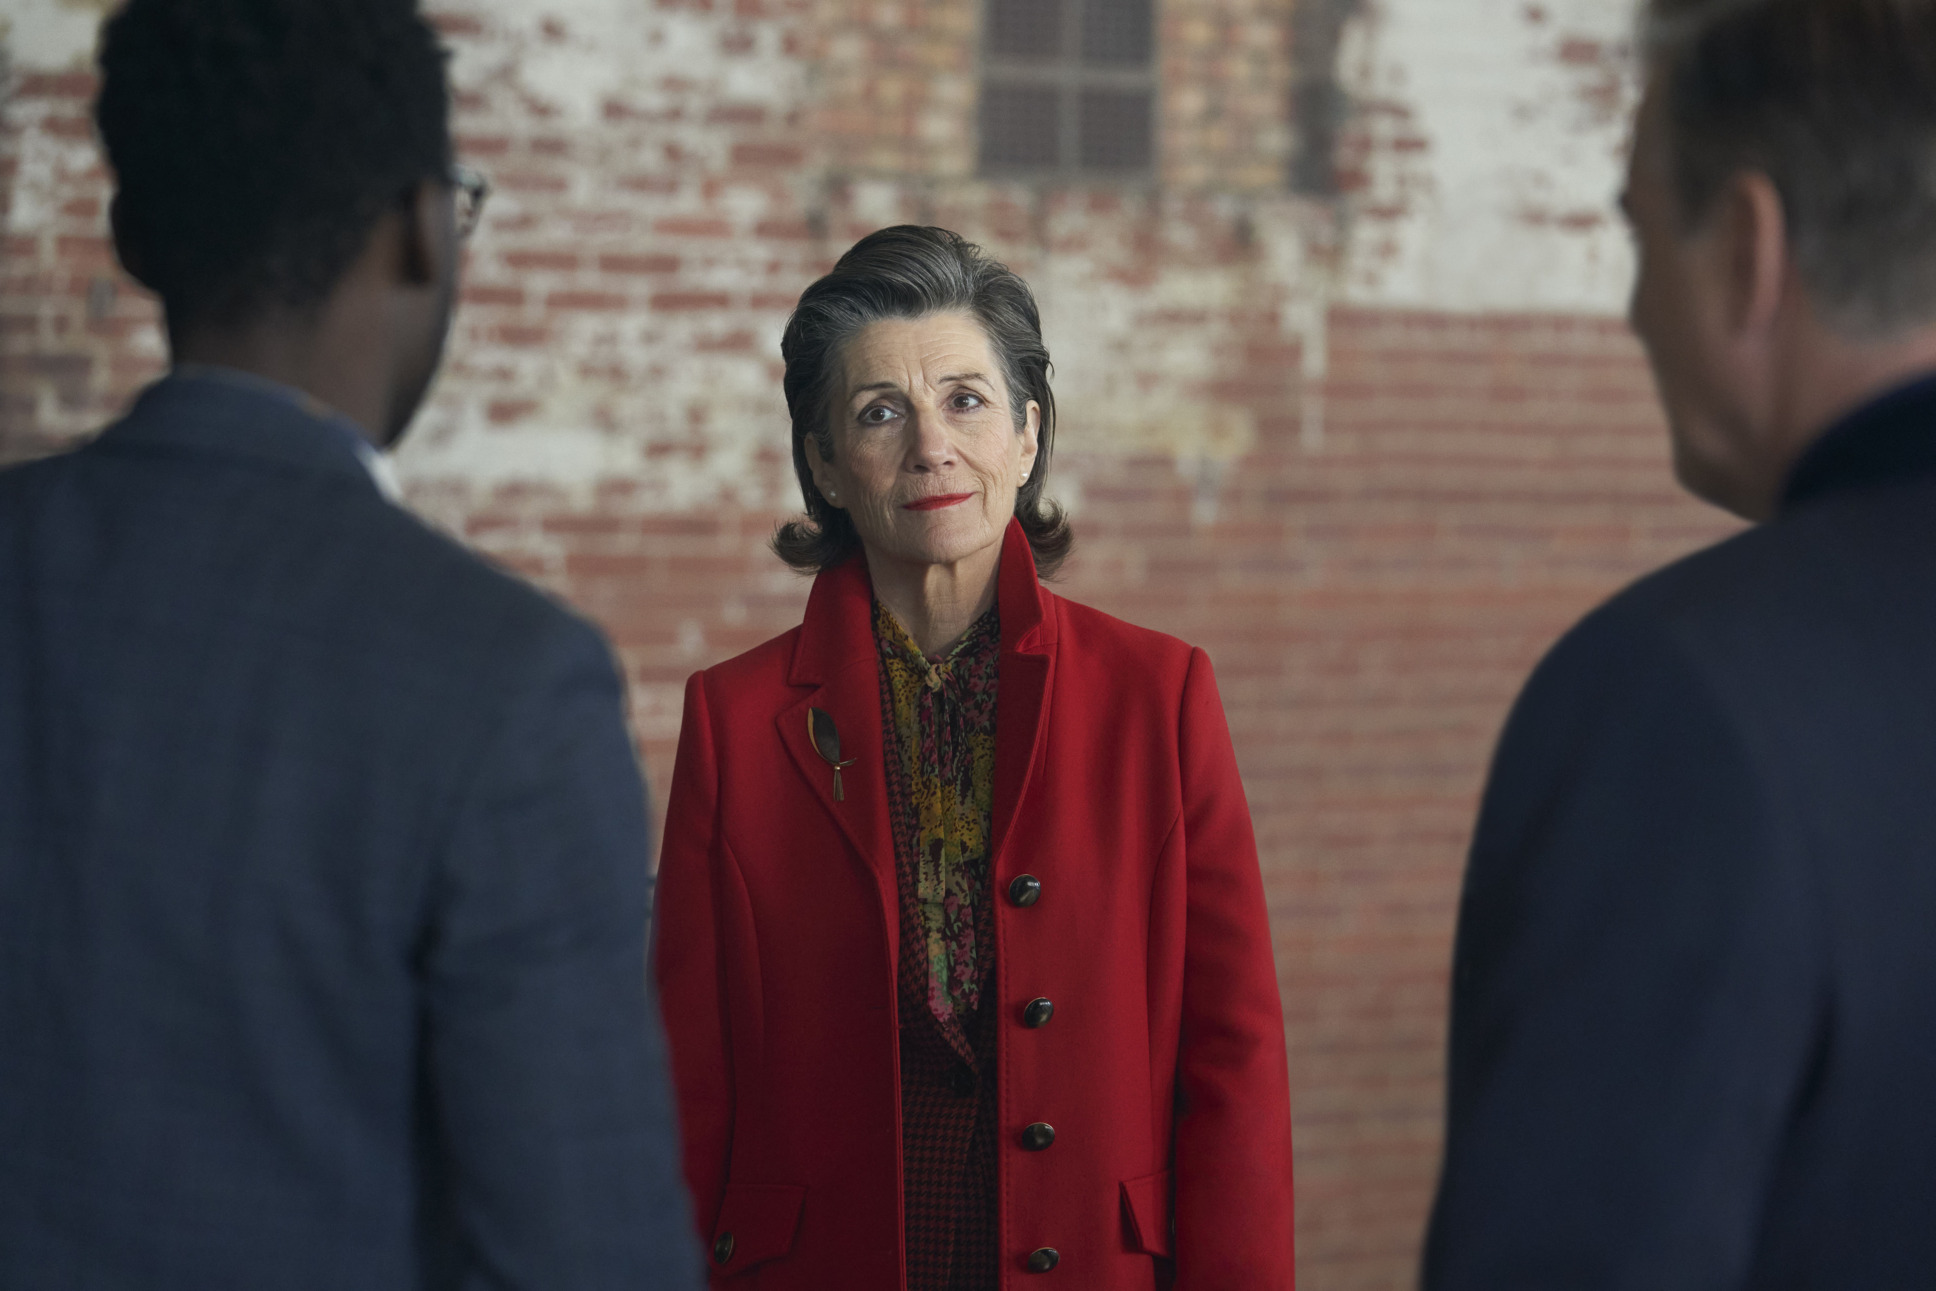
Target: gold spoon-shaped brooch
[826, 742]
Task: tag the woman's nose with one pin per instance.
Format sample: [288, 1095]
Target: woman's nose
[933, 446]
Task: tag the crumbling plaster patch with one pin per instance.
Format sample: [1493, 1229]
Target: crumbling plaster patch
[51, 35]
[1492, 135]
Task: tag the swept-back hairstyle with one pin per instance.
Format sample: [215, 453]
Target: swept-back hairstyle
[1835, 101]
[256, 142]
[908, 272]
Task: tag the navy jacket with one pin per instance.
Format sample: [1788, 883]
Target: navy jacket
[323, 887]
[1694, 999]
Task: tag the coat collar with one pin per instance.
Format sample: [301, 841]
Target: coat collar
[837, 668]
[1889, 438]
[233, 414]
[839, 624]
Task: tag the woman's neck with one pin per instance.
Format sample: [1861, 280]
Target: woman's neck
[937, 604]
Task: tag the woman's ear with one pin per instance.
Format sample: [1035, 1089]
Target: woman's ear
[823, 473]
[1031, 437]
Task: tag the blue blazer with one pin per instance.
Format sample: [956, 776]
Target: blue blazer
[1694, 1000]
[323, 887]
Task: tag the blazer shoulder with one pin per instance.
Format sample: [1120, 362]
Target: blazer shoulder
[446, 589]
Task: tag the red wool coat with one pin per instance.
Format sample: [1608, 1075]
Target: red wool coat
[1162, 1068]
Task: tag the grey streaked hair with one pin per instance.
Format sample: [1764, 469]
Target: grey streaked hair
[910, 271]
[1835, 101]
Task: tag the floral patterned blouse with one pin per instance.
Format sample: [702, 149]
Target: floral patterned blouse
[942, 726]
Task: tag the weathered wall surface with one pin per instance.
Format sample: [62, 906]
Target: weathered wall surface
[1368, 430]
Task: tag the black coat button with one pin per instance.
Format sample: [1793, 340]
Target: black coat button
[723, 1248]
[1024, 889]
[1038, 1136]
[1044, 1259]
[1038, 1012]
[961, 1079]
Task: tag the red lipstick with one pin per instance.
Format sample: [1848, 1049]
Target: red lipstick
[936, 502]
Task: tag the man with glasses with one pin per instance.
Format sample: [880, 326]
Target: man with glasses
[323, 850]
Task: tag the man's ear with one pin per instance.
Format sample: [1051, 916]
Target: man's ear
[426, 234]
[126, 250]
[1755, 250]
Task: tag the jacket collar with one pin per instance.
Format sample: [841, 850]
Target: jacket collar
[835, 661]
[1889, 438]
[838, 628]
[234, 414]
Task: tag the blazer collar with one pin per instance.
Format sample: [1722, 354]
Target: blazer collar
[838, 629]
[234, 414]
[1890, 438]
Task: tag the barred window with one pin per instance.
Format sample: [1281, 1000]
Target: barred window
[1068, 88]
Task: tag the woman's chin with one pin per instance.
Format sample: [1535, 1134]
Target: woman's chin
[937, 538]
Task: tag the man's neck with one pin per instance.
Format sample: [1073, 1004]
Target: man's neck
[1817, 380]
[301, 355]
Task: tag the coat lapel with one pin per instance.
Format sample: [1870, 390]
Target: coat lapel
[836, 667]
[1027, 671]
[853, 699]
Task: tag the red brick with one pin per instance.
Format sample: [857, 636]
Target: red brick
[769, 155]
[55, 85]
[585, 300]
[631, 264]
[673, 302]
[454, 26]
[477, 293]
[536, 261]
[520, 334]
[72, 128]
[693, 227]
[477, 146]
[85, 252]
[504, 411]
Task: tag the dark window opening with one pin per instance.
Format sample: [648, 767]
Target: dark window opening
[1068, 88]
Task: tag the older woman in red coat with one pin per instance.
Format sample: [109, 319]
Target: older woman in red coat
[961, 938]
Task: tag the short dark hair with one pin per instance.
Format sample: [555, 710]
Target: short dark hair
[910, 271]
[1835, 101]
[256, 142]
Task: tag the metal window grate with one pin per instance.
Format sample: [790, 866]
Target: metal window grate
[1068, 88]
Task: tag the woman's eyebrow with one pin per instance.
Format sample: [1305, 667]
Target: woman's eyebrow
[964, 376]
[878, 385]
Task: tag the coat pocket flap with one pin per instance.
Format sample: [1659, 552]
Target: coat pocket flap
[1147, 1202]
[756, 1223]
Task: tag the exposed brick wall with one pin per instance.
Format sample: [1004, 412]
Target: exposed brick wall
[1375, 515]
[75, 336]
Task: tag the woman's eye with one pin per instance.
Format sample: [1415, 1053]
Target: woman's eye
[876, 415]
[965, 401]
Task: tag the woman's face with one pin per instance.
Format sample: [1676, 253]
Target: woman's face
[927, 458]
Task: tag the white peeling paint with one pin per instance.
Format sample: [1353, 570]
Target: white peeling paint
[575, 55]
[50, 35]
[52, 168]
[1522, 109]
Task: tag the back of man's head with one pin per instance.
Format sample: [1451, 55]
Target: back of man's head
[255, 143]
[1835, 101]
